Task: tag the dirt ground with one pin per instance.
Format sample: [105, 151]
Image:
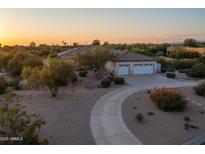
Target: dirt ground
[163, 127]
[68, 115]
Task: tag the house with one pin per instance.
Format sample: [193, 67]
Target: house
[132, 63]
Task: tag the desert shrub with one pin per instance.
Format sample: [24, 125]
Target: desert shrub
[171, 74]
[150, 113]
[16, 122]
[3, 85]
[197, 70]
[140, 117]
[165, 64]
[200, 89]
[202, 60]
[169, 99]
[183, 63]
[111, 78]
[21, 60]
[15, 83]
[186, 118]
[119, 80]
[186, 126]
[83, 73]
[105, 83]
[73, 77]
[4, 59]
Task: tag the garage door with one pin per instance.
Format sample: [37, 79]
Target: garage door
[143, 69]
[123, 69]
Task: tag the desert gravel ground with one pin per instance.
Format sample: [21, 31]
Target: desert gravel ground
[163, 127]
[67, 115]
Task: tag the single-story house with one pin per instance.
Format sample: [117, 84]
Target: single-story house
[132, 63]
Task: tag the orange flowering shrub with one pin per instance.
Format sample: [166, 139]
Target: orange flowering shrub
[169, 99]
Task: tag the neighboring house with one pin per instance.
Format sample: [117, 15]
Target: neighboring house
[132, 63]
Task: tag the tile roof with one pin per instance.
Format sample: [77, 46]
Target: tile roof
[130, 56]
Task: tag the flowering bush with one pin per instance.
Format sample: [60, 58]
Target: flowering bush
[169, 99]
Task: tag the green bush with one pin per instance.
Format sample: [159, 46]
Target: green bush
[111, 78]
[171, 74]
[83, 73]
[169, 99]
[183, 63]
[186, 126]
[21, 60]
[186, 118]
[165, 64]
[197, 70]
[73, 77]
[119, 80]
[150, 113]
[3, 85]
[105, 83]
[200, 89]
[140, 117]
[15, 84]
[15, 121]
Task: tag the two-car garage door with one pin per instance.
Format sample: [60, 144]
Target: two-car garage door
[136, 69]
[143, 69]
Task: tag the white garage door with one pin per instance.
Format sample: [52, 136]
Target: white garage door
[123, 69]
[143, 69]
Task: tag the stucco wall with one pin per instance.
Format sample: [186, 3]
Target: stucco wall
[110, 67]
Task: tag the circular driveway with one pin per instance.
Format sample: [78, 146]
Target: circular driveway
[107, 125]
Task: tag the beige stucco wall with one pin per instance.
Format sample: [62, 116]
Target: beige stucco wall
[110, 67]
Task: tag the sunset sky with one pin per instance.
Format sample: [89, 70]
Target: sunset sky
[52, 26]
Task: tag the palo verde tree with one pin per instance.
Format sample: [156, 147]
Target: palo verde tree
[16, 125]
[55, 73]
[95, 59]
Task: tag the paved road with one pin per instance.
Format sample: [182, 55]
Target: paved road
[106, 121]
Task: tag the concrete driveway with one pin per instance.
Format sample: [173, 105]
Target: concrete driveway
[106, 121]
[149, 79]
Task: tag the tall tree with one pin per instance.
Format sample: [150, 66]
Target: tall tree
[96, 42]
[55, 73]
[190, 42]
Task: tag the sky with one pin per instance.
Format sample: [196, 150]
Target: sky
[52, 26]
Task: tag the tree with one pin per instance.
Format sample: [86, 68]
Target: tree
[16, 122]
[189, 42]
[64, 43]
[95, 59]
[21, 60]
[106, 43]
[32, 45]
[197, 70]
[54, 74]
[96, 42]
